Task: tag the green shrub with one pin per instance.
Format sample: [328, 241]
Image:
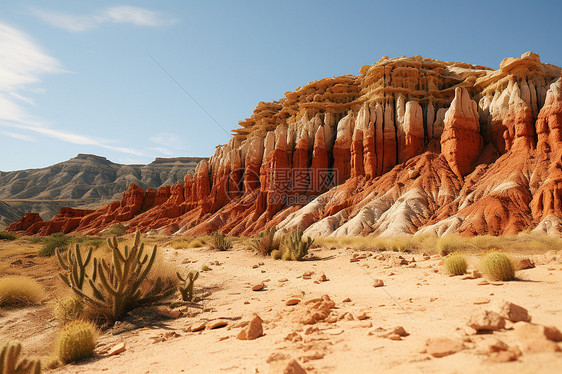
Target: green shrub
[497, 266]
[112, 289]
[286, 256]
[117, 229]
[196, 243]
[20, 290]
[76, 341]
[456, 264]
[9, 356]
[205, 268]
[69, 309]
[7, 236]
[52, 243]
[265, 242]
[296, 247]
[89, 241]
[220, 241]
[276, 254]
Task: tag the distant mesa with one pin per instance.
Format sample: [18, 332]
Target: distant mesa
[411, 145]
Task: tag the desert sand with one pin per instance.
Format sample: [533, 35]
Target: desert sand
[417, 295]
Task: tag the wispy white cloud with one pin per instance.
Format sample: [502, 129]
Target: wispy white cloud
[117, 14]
[22, 62]
[167, 143]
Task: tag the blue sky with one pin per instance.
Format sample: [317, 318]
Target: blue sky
[79, 76]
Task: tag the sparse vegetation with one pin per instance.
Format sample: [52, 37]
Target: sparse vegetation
[54, 242]
[205, 268]
[265, 242]
[186, 288]
[181, 243]
[295, 247]
[9, 357]
[76, 341]
[69, 309]
[20, 290]
[117, 229]
[456, 264]
[7, 236]
[220, 241]
[112, 289]
[497, 266]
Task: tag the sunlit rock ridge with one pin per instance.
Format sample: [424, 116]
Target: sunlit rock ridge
[410, 145]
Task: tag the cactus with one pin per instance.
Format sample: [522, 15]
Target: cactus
[497, 266]
[113, 288]
[296, 246]
[456, 264]
[276, 254]
[186, 289]
[9, 354]
[69, 309]
[220, 241]
[76, 341]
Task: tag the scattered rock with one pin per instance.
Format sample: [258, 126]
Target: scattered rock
[486, 320]
[315, 355]
[481, 300]
[483, 283]
[292, 301]
[170, 313]
[253, 331]
[378, 283]
[346, 300]
[216, 324]
[322, 278]
[503, 356]
[291, 366]
[527, 331]
[525, 263]
[389, 333]
[513, 312]
[283, 280]
[441, 347]
[198, 326]
[258, 287]
[494, 345]
[294, 337]
[315, 310]
[117, 349]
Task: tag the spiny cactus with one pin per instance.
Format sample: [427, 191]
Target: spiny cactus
[296, 246]
[220, 241]
[113, 288]
[186, 289]
[456, 264]
[497, 266]
[276, 254]
[9, 355]
[265, 242]
[76, 341]
[69, 309]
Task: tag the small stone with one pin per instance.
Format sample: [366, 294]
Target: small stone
[315, 355]
[253, 331]
[346, 300]
[481, 300]
[283, 280]
[322, 278]
[246, 302]
[513, 312]
[486, 320]
[255, 266]
[525, 263]
[291, 366]
[216, 324]
[294, 337]
[483, 283]
[378, 283]
[502, 356]
[117, 349]
[258, 287]
[292, 301]
[494, 345]
[394, 337]
[170, 313]
[441, 347]
[198, 326]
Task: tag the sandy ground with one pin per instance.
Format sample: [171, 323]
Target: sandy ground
[424, 302]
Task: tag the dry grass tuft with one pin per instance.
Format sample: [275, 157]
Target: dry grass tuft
[20, 290]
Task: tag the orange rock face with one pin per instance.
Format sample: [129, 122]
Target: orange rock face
[410, 145]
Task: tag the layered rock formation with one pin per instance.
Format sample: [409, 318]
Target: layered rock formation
[411, 145]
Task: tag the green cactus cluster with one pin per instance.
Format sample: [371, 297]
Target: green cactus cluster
[9, 357]
[113, 288]
[186, 289]
[456, 264]
[497, 266]
[76, 341]
[68, 309]
[296, 247]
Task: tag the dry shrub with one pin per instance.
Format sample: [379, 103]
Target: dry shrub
[20, 290]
